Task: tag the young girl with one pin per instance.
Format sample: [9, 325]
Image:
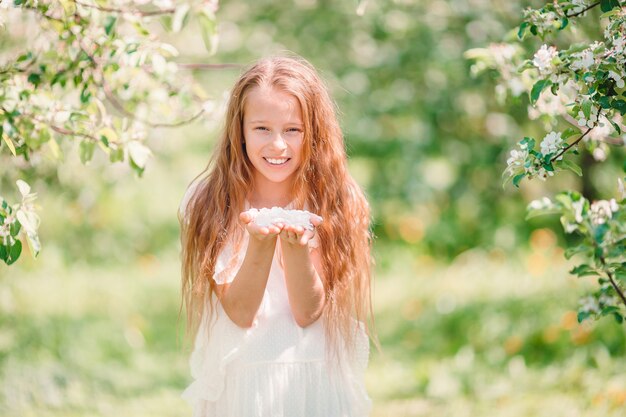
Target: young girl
[279, 312]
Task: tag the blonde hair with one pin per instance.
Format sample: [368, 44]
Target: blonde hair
[322, 184]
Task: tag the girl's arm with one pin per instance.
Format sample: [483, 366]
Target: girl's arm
[304, 284]
[242, 297]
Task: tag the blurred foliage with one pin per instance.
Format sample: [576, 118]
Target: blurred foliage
[484, 335]
[89, 328]
[425, 139]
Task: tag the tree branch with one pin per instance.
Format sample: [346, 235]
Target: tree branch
[606, 139]
[115, 102]
[57, 129]
[120, 107]
[554, 158]
[591, 6]
[616, 287]
[207, 66]
[122, 11]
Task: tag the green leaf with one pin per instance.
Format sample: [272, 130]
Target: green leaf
[605, 102]
[86, 151]
[586, 107]
[138, 170]
[57, 78]
[25, 57]
[116, 155]
[618, 317]
[85, 94]
[583, 315]
[34, 79]
[608, 5]
[208, 28]
[523, 29]
[608, 310]
[619, 105]
[14, 252]
[569, 252]
[3, 253]
[584, 270]
[599, 232]
[15, 228]
[616, 127]
[571, 166]
[569, 132]
[537, 89]
[517, 179]
[109, 23]
[532, 213]
[609, 14]
[564, 22]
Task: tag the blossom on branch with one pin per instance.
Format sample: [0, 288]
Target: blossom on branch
[543, 59]
[551, 144]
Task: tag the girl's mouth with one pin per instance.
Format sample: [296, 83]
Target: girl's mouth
[277, 161]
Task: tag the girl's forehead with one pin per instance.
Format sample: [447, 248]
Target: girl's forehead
[269, 100]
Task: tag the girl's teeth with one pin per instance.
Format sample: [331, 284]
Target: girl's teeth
[276, 161]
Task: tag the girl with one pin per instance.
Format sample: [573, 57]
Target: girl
[278, 311]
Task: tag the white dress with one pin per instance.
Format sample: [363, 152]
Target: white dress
[275, 368]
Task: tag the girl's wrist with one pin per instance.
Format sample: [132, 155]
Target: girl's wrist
[294, 246]
[265, 242]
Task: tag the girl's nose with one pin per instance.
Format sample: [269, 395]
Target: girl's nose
[279, 142]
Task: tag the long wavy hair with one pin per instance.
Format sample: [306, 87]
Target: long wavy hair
[322, 184]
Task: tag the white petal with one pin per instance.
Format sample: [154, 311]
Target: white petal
[139, 153]
[23, 187]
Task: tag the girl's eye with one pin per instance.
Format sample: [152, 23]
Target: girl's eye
[293, 129]
[261, 128]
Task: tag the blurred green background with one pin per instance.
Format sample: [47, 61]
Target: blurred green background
[474, 306]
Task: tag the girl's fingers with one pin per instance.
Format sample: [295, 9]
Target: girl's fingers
[315, 220]
[245, 217]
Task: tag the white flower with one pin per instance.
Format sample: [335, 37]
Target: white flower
[619, 44]
[619, 81]
[589, 305]
[578, 210]
[585, 59]
[138, 153]
[607, 300]
[540, 204]
[551, 143]
[517, 158]
[502, 53]
[543, 174]
[269, 216]
[599, 154]
[516, 86]
[580, 5]
[543, 58]
[602, 210]
[593, 117]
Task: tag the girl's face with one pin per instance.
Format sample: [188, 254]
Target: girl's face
[273, 132]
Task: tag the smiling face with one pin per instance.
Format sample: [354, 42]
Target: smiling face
[273, 131]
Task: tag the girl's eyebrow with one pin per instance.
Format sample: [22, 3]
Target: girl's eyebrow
[265, 121]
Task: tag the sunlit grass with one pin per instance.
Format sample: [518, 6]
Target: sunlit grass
[490, 334]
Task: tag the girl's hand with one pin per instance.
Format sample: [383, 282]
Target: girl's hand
[298, 235]
[256, 231]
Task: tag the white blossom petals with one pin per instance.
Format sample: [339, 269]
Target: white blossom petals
[139, 153]
[543, 58]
